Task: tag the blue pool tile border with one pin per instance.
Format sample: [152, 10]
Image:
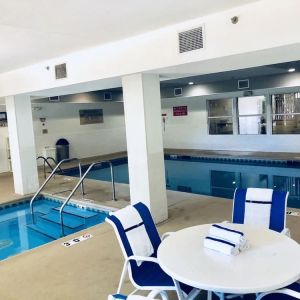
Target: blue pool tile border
[20, 202]
[236, 160]
[201, 158]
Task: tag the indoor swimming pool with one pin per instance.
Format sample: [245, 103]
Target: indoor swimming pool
[215, 176]
[18, 234]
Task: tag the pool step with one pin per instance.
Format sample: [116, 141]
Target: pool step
[82, 213]
[43, 209]
[69, 221]
[44, 230]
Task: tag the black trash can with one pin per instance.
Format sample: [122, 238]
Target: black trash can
[62, 149]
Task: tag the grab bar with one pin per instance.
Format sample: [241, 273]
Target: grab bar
[80, 182]
[55, 162]
[45, 162]
[48, 179]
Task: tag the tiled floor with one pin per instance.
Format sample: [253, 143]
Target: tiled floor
[90, 270]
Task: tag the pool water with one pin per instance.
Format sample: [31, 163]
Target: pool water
[215, 176]
[18, 234]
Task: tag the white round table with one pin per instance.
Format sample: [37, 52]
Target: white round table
[271, 262]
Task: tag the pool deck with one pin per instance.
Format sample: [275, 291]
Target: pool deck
[90, 270]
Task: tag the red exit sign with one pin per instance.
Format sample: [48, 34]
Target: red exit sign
[180, 111]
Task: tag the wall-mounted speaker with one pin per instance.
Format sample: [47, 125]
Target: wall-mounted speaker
[54, 99]
[243, 84]
[177, 92]
[107, 96]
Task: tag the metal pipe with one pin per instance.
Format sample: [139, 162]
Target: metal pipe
[80, 183]
[69, 197]
[55, 162]
[45, 161]
[45, 182]
[112, 181]
[80, 176]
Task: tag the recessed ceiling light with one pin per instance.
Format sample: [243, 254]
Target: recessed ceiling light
[191, 83]
[291, 70]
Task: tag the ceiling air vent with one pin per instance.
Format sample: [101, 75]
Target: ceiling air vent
[190, 40]
[107, 96]
[177, 92]
[54, 99]
[243, 84]
[61, 71]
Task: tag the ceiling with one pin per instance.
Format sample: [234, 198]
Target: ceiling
[273, 69]
[35, 30]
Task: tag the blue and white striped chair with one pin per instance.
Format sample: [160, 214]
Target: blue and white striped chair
[290, 292]
[264, 207]
[139, 241]
[152, 296]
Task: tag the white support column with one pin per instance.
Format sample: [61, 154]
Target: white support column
[142, 106]
[22, 147]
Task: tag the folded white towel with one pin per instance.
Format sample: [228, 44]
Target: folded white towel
[221, 246]
[258, 207]
[135, 231]
[128, 216]
[233, 236]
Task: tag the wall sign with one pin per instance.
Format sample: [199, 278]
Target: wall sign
[90, 116]
[180, 111]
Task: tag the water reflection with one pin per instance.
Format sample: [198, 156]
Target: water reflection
[221, 180]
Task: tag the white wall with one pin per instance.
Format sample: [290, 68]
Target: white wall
[267, 32]
[62, 121]
[4, 163]
[191, 131]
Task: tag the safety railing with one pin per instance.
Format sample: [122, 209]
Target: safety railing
[54, 161]
[45, 161]
[48, 179]
[80, 182]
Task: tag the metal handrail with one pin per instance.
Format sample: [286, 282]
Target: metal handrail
[80, 182]
[48, 179]
[55, 162]
[45, 161]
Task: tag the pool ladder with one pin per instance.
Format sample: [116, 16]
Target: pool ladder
[79, 183]
[46, 162]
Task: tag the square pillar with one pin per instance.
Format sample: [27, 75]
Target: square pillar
[22, 146]
[142, 107]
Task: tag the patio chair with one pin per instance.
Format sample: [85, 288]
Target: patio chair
[153, 295]
[139, 241]
[258, 206]
[288, 293]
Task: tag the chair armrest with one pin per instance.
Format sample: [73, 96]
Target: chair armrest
[165, 235]
[286, 231]
[142, 258]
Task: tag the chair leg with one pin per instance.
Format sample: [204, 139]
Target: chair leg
[220, 295]
[122, 278]
[193, 294]
[209, 295]
[178, 290]
[163, 294]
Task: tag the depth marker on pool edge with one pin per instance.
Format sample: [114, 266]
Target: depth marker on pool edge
[77, 240]
[293, 213]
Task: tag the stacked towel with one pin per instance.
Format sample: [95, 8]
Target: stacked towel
[233, 236]
[221, 246]
[226, 240]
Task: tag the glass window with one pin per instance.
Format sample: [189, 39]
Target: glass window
[220, 116]
[286, 113]
[252, 115]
